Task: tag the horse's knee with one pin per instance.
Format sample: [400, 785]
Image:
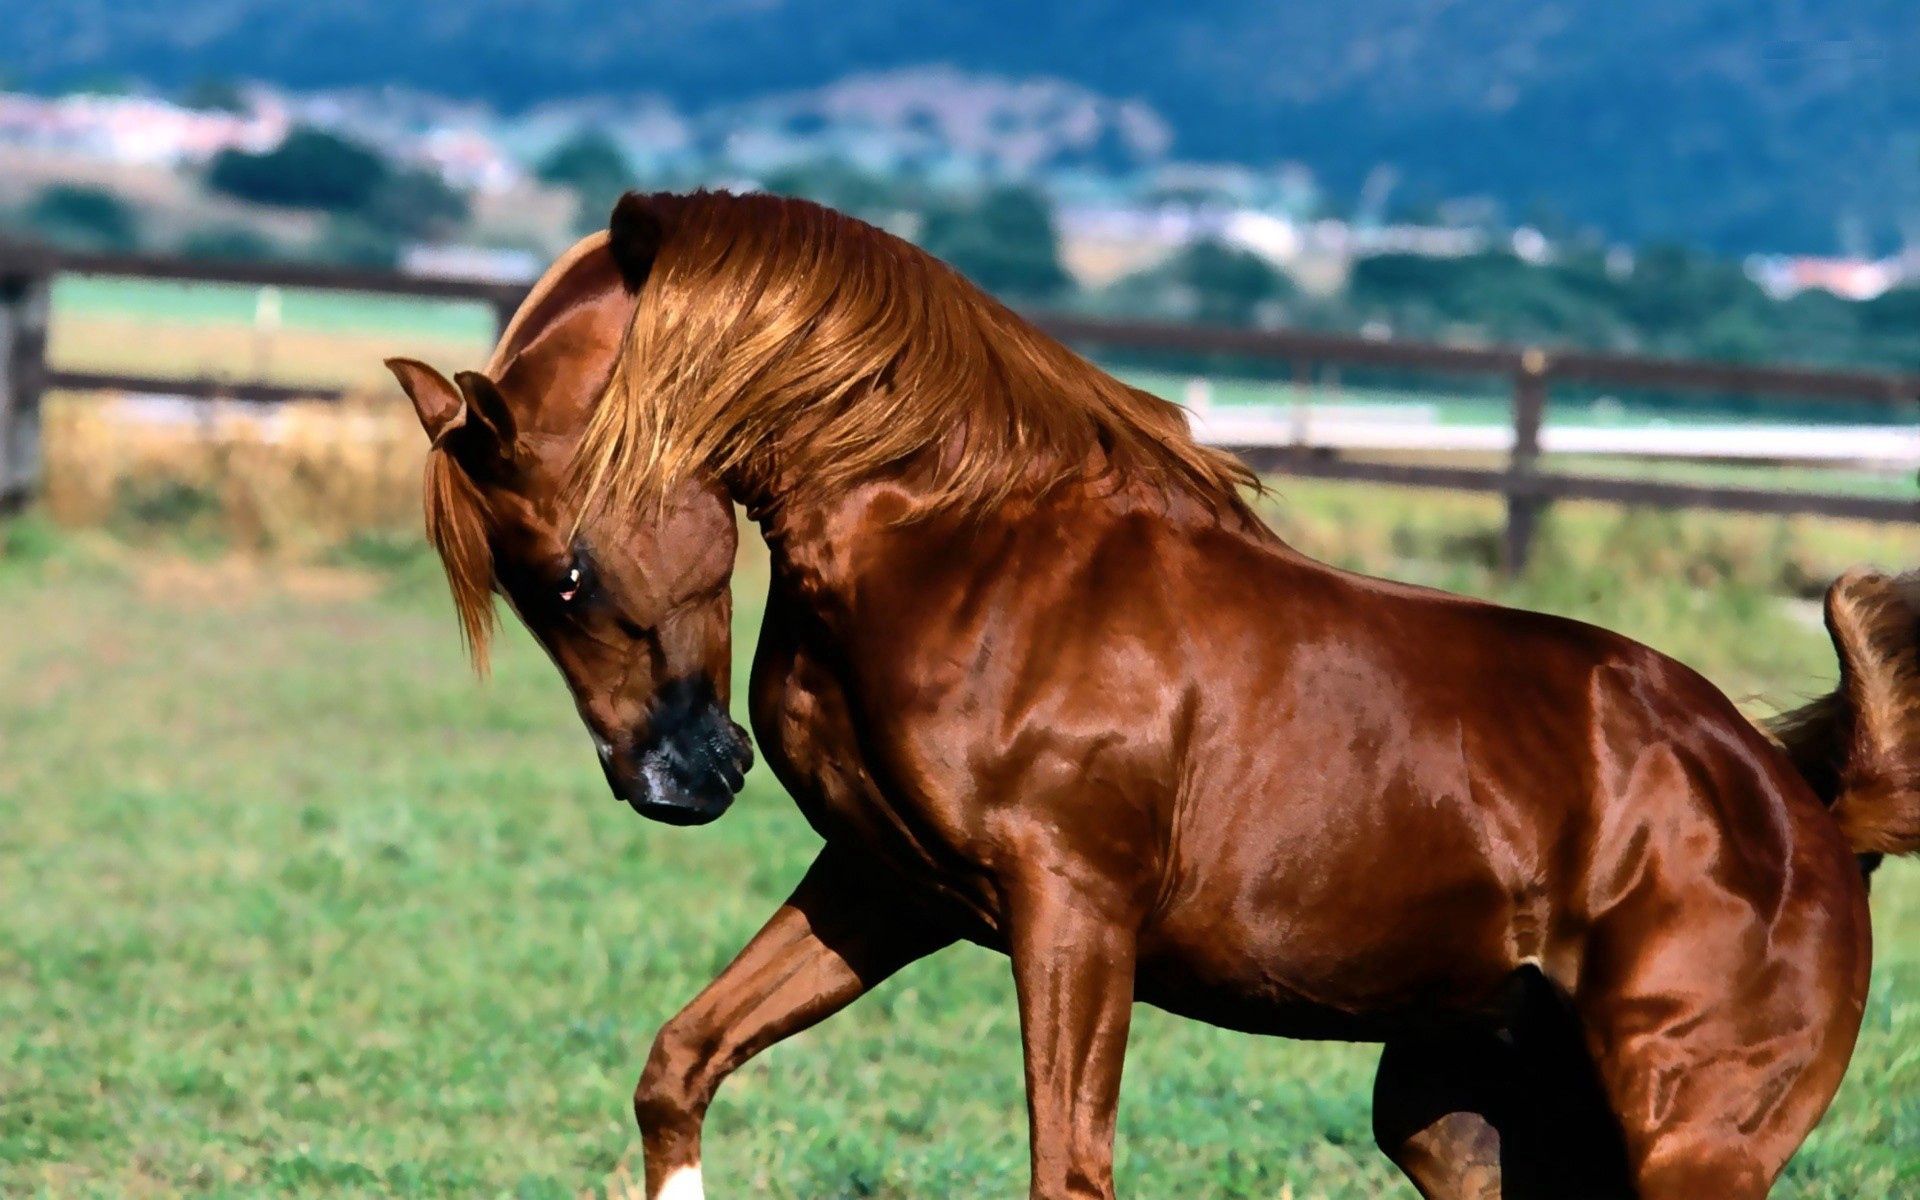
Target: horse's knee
[672, 1090]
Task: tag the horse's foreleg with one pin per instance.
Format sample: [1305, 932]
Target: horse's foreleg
[839, 934]
[1073, 967]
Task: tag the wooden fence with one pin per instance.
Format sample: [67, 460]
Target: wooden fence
[1529, 374]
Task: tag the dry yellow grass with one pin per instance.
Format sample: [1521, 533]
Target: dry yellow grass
[196, 349]
[296, 479]
[303, 478]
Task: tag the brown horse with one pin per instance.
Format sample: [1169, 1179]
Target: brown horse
[1040, 679]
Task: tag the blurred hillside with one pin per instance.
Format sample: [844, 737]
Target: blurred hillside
[1738, 124]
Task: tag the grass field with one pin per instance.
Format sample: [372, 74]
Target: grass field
[290, 905]
[328, 339]
[305, 310]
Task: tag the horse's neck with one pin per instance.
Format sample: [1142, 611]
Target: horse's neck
[821, 551]
[817, 549]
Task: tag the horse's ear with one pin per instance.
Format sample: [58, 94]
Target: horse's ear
[439, 404]
[634, 233]
[491, 437]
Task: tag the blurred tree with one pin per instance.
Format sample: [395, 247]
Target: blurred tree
[1227, 285]
[416, 203]
[310, 169]
[1005, 242]
[840, 185]
[352, 241]
[1734, 335]
[1813, 326]
[1493, 294]
[1896, 312]
[1674, 291]
[592, 166]
[589, 160]
[229, 243]
[87, 218]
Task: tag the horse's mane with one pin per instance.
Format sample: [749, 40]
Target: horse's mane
[457, 530]
[772, 322]
[768, 322]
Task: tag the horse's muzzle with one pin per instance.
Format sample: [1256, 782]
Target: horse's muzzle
[688, 764]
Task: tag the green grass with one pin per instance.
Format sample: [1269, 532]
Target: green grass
[327, 339]
[289, 905]
[306, 310]
[1844, 481]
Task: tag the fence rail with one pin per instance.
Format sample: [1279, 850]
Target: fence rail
[1529, 373]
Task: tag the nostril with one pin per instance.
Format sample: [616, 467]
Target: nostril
[692, 743]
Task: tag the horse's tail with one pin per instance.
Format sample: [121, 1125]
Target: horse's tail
[1860, 746]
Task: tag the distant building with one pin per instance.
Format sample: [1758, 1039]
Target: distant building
[1781, 275]
[467, 158]
[457, 140]
[1424, 241]
[1102, 243]
[1274, 238]
[1530, 245]
[136, 130]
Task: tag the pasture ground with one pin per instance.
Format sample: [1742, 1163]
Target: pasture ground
[290, 906]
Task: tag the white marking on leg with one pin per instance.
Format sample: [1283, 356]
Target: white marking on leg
[683, 1184]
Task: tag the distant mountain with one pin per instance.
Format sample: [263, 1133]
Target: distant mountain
[1789, 124]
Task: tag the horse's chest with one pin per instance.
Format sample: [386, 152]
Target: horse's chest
[809, 733]
[805, 729]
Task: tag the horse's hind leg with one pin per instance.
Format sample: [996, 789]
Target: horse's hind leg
[1697, 1054]
[1433, 1114]
[1513, 1115]
[1716, 1082]
[1720, 1026]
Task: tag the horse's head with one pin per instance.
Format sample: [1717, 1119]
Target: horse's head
[631, 603]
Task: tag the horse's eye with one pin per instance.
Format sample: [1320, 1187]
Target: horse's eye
[573, 584]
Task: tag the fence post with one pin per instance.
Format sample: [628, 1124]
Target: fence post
[23, 349]
[1523, 505]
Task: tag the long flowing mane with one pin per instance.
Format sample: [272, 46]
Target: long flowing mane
[769, 322]
[772, 322]
[457, 529]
